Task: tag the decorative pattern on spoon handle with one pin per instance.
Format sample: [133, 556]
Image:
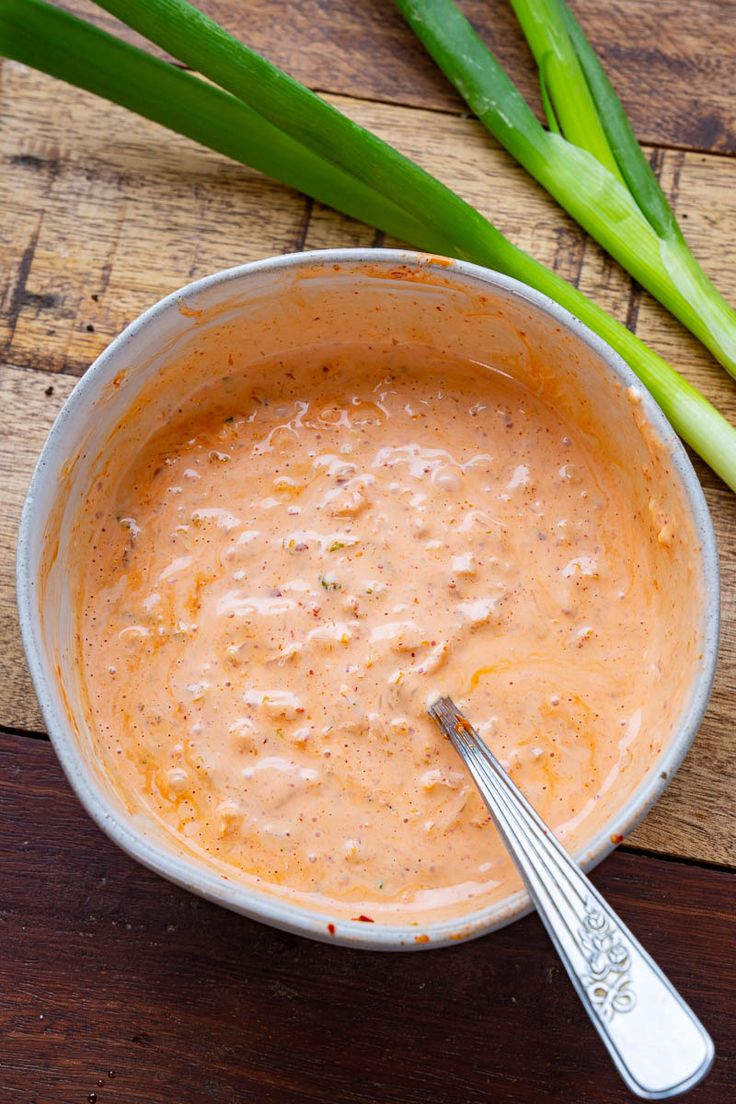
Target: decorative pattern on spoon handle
[608, 981]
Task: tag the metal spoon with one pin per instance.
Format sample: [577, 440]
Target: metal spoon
[657, 1043]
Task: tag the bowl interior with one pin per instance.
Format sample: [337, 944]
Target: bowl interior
[280, 307]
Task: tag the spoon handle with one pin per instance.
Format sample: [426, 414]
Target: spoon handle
[658, 1045]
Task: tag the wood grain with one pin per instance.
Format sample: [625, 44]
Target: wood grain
[104, 230]
[107, 967]
[671, 60]
[96, 229]
[95, 238]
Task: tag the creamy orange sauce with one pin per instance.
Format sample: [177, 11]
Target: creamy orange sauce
[299, 562]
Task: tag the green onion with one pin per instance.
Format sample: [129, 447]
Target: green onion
[269, 121]
[48, 39]
[574, 112]
[594, 166]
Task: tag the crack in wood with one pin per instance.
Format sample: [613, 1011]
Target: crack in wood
[27, 733]
[20, 296]
[304, 229]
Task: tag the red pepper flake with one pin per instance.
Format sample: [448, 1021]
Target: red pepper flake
[331, 929]
[365, 919]
[421, 939]
[617, 839]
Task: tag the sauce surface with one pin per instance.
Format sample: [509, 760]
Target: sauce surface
[296, 566]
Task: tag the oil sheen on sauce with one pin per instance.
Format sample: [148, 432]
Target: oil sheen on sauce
[296, 565]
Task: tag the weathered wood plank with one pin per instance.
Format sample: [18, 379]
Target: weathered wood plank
[112, 969]
[105, 212]
[98, 231]
[672, 61]
[702, 191]
[29, 401]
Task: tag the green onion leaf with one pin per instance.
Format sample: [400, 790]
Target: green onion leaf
[564, 80]
[587, 176]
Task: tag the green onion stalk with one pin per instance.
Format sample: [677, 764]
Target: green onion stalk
[261, 117]
[589, 160]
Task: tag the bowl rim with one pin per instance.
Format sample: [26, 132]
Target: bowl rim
[261, 904]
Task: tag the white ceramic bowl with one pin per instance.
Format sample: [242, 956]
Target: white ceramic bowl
[364, 295]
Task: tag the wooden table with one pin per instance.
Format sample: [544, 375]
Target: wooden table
[117, 984]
